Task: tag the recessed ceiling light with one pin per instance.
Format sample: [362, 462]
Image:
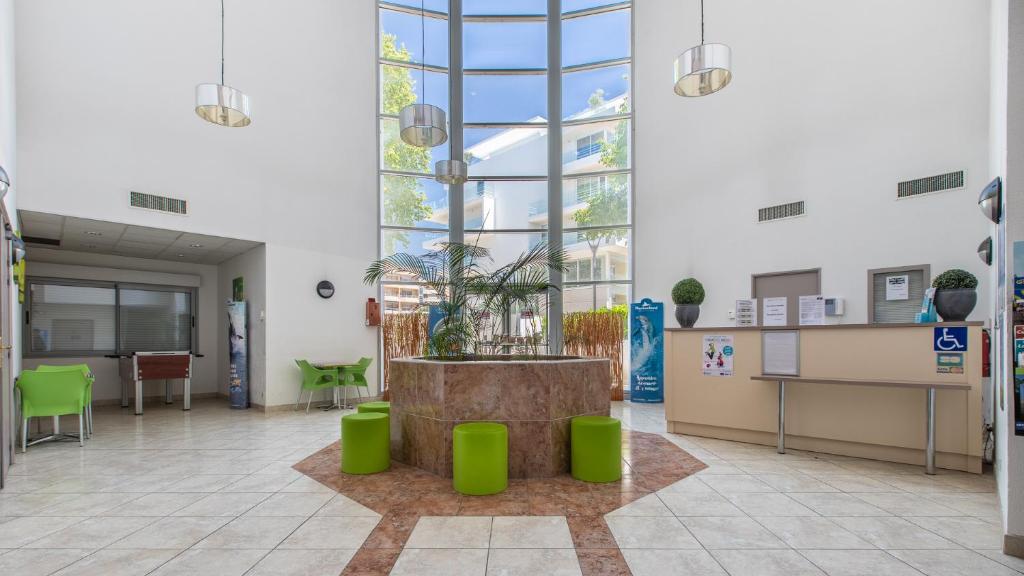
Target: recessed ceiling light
[90, 246]
[196, 245]
[181, 255]
[93, 233]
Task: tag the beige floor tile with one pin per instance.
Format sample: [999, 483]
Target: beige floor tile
[919, 483]
[649, 505]
[858, 483]
[156, 504]
[173, 532]
[306, 484]
[984, 506]
[110, 562]
[203, 483]
[699, 504]
[731, 533]
[953, 563]
[651, 532]
[302, 563]
[87, 504]
[341, 505]
[858, 563]
[32, 562]
[530, 532]
[672, 562]
[331, 532]
[795, 482]
[550, 562]
[291, 504]
[906, 504]
[20, 504]
[689, 485]
[762, 504]
[765, 563]
[1004, 559]
[20, 531]
[813, 532]
[967, 531]
[736, 483]
[838, 504]
[264, 482]
[223, 504]
[441, 562]
[451, 532]
[252, 533]
[93, 533]
[891, 533]
[211, 562]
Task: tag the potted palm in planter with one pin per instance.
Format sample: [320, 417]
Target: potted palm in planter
[687, 295]
[955, 294]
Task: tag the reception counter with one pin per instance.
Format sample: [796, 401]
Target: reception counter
[870, 421]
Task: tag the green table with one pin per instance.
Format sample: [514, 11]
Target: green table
[340, 366]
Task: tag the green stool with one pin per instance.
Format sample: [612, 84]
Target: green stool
[480, 458]
[596, 448]
[382, 407]
[365, 443]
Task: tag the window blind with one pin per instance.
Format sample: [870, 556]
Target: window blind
[154, 320]
[72, 318]
[897, 311]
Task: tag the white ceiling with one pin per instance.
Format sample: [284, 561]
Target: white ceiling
[99, 237]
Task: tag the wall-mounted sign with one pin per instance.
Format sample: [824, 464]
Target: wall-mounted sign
[952, 339]
[780, 352]
[949, 363]
[774, 311]
[746, 312]
[647, 351]
[812, 310]
[717, 355]
[897, 287]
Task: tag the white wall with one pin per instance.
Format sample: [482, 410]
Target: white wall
[252, 268]
[832, 103]
[49, 263]
[108, 88]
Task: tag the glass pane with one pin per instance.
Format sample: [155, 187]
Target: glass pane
[595, 38]
[574, 5]
[434, 5]
[406, 297]
[594, 93]
[601, 255]
[402, 38]
[408, 201]
[410, 241]
[504, 247]
[401, 87]
[505, 45]
[526, 332]
[595, 146]
[72, 318]
[595, 297]
[596, 201]
[155, 321]
[507, 152]
[504, 7]
[397, 155]
[503, 205]
[505, 98]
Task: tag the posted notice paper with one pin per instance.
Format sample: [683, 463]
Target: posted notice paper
[897, 287]
[812, 310]
[746, 312]
[774, 311]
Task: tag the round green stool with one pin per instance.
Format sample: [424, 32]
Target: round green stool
[365, 443]
[382, 407]
[596, 448]
[480, 458]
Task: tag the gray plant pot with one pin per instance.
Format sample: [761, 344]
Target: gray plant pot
[954, 305]
[687, 314]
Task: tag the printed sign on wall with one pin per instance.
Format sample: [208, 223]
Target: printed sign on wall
[952, 339]
[717, 355]
[746, 312]
[647, 351]
[774, 311]
[897, 287]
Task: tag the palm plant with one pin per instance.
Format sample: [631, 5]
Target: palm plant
[470, 295]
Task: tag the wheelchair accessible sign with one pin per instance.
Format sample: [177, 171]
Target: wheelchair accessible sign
[952, 339]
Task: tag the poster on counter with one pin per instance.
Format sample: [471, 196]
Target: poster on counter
[897, 287]
[746, 312]
[774, 311]
[647, 351]
[717, 355]
[812, 310]
[949, 363]
[238, 355]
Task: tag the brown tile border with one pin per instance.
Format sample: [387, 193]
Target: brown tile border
[404, 493]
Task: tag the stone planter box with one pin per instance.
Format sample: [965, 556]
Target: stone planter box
[535, 398]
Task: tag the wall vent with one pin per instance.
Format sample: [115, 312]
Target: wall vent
[41, 241]
[160, 203]
[947, 181]
[780, 211]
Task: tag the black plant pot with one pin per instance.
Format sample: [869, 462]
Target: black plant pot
[954, 305]
[687, 314]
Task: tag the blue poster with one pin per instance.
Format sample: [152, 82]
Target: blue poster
[647, 352]
[238, 355]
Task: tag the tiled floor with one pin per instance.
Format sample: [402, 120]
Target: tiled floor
[213, 492]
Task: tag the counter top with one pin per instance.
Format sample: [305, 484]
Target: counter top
[824, 327]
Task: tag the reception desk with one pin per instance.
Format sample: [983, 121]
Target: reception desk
[877, 422]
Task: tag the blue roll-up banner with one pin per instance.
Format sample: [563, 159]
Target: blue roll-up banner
[238, 355]
[647, 352]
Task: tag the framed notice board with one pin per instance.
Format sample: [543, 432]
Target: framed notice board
[780, 352]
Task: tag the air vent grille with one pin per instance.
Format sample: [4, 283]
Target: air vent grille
[160, 203]
[42, 241]
[947, 181]
[780, 211]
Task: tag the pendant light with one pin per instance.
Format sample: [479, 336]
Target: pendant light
[703, 69]
[422, 125]
[451, 172]
[5, 182]
[219, 103]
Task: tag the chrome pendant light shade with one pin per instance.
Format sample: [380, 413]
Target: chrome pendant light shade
[222, 105]
[703, 70]
[422, 125]
[451, 172]
[5, 182]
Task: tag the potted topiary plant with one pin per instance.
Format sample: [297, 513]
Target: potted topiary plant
[955, 294]
[687, 295]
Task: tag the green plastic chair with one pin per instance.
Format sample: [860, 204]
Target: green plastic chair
[355, 375]
[89, 377]
[52, 394]
[314, 379]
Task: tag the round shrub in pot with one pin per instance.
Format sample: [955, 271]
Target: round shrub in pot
[955, 294]
[687, 295]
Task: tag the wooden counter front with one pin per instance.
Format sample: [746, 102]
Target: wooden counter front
[868, 422]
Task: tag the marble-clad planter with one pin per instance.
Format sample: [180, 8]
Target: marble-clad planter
[534, 398]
